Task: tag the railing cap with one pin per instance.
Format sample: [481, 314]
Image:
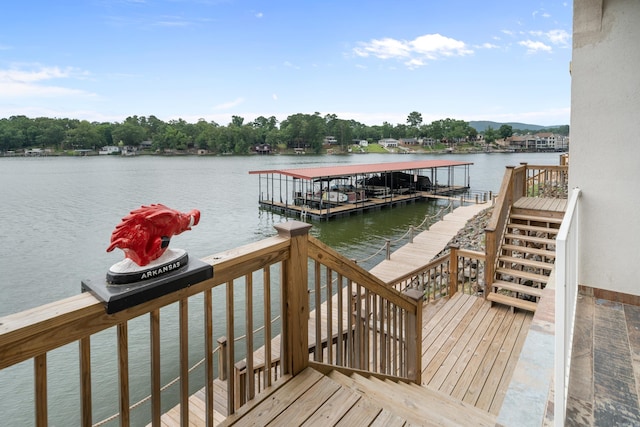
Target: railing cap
[414, 294]
[292, 228]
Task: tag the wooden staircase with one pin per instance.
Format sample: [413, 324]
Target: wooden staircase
[312, 398]
[526, 257]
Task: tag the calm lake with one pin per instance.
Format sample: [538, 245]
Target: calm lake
[56, 219]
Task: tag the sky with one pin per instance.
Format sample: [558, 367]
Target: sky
[370, 61]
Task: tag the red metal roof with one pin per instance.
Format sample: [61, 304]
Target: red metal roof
[345, 170]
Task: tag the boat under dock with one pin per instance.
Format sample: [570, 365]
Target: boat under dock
[325, 193]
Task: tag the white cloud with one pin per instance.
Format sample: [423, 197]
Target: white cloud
[415, 52]
[259, 15]
[275, 97]
[18, 82]
[487, 46]
[558, 37]
[384, 49]
[542, 13]
[290, 65]
[534, 47]
[171, 21]
[231, 104]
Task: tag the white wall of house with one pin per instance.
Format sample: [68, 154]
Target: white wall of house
[604, 155]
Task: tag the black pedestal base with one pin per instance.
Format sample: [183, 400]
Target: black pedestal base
[120, 297]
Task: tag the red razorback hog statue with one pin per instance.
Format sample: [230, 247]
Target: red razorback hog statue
[145, 233]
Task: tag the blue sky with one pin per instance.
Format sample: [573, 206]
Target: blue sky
[371, 61]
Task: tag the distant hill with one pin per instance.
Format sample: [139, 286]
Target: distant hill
[481, 126]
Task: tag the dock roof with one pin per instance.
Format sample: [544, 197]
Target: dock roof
[346, 170]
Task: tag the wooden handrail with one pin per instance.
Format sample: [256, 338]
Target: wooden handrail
[511, 189]
[384, 330]
[342, 265]
[437, 278]
[38, 330]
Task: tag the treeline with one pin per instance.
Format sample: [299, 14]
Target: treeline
[306, 131]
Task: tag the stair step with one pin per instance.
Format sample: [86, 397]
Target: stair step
[532, 239]
[414, 403]
[522, 289]
[512, 302]
[536, 218]
[523, 275]
[524, 249]
[534, 228]
[526, 262]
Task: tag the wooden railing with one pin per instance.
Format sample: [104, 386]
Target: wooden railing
[270, 276]
[547, 181]
[437, 279]
[512, 188]
[524, 180]
[383, 326]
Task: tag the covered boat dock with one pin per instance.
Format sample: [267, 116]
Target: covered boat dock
[329, 192]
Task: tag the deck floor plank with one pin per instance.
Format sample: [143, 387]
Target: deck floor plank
[461, 388]
[457, 349]
[499, 365]
[451, 336]
[435, 338]
[456, 371]
[306, 403]
[363, 412]
[482, 373]
[510, 367]
[340, 403]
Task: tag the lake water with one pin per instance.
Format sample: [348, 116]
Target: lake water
[57, 215]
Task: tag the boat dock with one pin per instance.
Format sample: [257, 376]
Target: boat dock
[325, 193]
[426, 245]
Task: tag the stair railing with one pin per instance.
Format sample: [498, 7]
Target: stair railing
[383, 326]
[518, 181]
[459, 270]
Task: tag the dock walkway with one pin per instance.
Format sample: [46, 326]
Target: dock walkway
[426, 245]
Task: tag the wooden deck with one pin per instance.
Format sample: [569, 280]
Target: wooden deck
[470, 350]
[553, 208]
[605, 365]
[469, 347]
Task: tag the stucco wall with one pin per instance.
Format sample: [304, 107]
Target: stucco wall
[605, 141]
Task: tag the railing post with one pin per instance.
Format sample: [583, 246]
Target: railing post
[414, 337]
[525, 182]
[453, 269]
[240, 374]
[489, 260]
[388, 245]
[411, 233]
[295, 309]
[222, 358]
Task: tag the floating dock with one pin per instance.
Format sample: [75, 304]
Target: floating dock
[330, 192]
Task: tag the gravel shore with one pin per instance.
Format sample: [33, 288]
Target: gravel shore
[471, 236]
